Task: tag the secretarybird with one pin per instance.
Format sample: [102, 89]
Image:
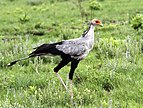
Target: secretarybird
[72, 50]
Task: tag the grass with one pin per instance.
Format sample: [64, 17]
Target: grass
[111, 75]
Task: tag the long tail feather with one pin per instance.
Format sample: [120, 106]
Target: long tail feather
[41, 50]
[14, 62]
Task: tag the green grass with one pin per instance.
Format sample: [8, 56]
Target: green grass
[115, 63]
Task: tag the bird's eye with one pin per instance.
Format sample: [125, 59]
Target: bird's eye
[97, 21]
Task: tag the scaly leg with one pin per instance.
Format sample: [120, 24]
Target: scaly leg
[74, 65]
[62, 81]
[71, 92]
[67, 81]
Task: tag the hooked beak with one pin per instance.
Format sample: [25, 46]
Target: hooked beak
[101, 24]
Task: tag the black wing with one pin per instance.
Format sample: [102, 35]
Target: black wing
[47, 49]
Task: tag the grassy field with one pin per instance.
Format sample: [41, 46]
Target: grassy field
[110, 77]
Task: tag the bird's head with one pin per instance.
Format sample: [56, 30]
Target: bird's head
[96, 22]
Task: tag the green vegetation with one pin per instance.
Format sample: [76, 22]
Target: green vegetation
[137, 21]
[94, 5]
[112, 74]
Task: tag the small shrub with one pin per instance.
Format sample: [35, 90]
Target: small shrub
[107, 85]
[137, 21]
[94, 5]
[24, 18]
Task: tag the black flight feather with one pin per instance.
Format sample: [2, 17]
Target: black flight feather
[46, 49]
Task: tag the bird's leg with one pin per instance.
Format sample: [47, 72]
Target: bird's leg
[67, 81]
[61, 81]
[64, 62]
[74, 65]
[71, 92]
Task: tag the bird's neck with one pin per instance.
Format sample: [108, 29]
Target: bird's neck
[89, 32]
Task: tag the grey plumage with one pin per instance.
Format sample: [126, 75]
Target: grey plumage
[80, 47]
[74, 48]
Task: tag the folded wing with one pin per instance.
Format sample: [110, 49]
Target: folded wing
[73, 48]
